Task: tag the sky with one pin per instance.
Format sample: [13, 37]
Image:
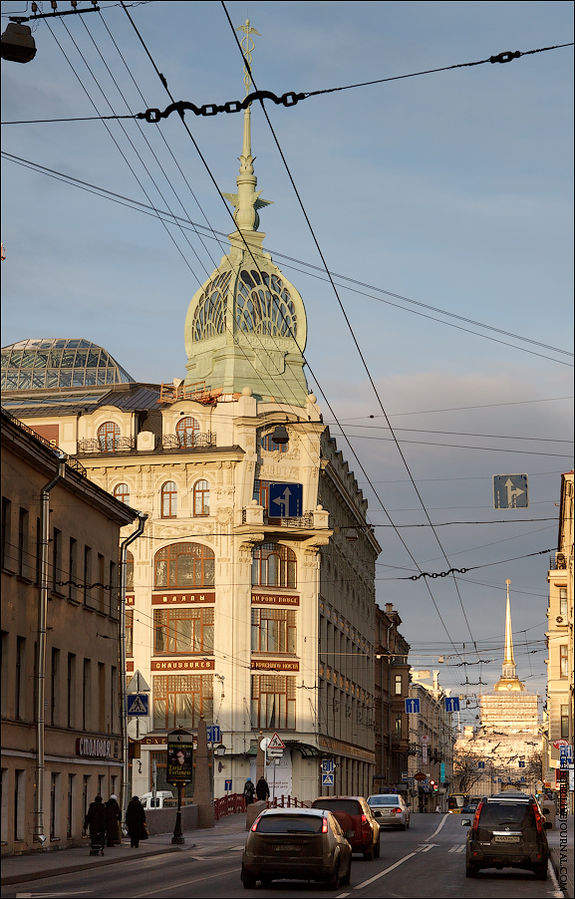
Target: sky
[441, 203]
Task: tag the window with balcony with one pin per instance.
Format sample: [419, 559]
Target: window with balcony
[169, 500]
[187, 430]
[274, 565]
[274, 630]
[108, 437]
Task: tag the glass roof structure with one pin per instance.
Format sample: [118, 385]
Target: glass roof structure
[57, 362]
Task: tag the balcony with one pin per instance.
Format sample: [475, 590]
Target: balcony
[200, 441]
[558, 562]
[89, 445]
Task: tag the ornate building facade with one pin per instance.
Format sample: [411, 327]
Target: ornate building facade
[251, 593]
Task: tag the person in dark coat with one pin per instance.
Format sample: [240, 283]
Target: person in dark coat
[135, 820]
[262, 789]
[249, 791]
[113, 821]
[95, 820]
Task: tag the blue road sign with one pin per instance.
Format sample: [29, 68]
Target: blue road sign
[138, 705]
[285, 500]
[327, 779]
[327, 766]
[510, 491]
[452, 703]
[228, 786]
[566, 754]
[481, 764]
[412, 706]
[214, 733]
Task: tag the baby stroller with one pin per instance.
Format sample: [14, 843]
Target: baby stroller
[97, 843]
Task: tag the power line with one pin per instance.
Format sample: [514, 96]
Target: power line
[138, 206]
[289, 98]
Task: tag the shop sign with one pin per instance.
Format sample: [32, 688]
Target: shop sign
[184, 665]
[96, 748]
[162, 599]
[274, 599]
[261, 665]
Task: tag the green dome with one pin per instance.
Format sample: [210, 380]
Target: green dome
[57, 362]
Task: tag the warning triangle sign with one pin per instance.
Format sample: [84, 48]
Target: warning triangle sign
[276, 743]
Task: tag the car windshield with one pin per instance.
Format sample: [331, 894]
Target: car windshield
[290, 824]
[511, 814]
[351, 806]
[383, 800]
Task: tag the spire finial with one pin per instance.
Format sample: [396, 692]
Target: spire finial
[247, 47]
[247, 200]
[508, 660]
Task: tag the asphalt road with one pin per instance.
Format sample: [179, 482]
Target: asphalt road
[428, 860]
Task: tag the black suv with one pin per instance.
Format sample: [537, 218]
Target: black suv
[508, 831]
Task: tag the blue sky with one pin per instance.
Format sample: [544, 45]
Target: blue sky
[451, 189]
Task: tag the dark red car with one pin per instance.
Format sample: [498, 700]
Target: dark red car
[356, 820]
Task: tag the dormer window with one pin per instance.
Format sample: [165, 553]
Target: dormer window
[109, 436]
[187, 430]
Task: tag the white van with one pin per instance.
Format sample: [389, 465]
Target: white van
[149, 800]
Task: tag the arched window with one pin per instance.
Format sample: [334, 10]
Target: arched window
[122, 492]
[109, 436]
[169, 500]
[187, 430]
[268, 444]
[184, 565]
[201, 498]
[274, 565]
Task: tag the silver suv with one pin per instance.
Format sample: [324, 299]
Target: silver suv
[507, 831]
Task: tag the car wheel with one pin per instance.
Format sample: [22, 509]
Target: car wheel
[344, 881]
[540, 872]
[333, 880]
[248, 881]
[471, 870]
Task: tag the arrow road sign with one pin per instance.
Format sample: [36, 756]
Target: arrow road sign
[510, 491]
[285, 500]
[214, 733]
[412, 706]
[452, 703]
[138, 704]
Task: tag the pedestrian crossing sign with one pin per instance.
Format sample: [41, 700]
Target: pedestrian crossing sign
[138, 705]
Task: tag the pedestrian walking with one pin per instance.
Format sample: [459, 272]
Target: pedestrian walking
[135, 821]
[95, 824]
[249, 791]
[113, 816]
[262, 789]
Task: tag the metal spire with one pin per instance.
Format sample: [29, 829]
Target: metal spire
[508, 668]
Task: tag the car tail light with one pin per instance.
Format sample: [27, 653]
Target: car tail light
[397, 811]
[324, 826]
[255, 824]
[538, 819]
[475, 825]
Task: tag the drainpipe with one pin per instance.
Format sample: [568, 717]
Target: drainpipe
[39, 835]
[124, 686]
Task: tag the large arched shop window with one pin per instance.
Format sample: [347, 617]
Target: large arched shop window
[122, 492]
[274, 565]
[109, 436]
[184, 565]
[169, 500]
[187, 430]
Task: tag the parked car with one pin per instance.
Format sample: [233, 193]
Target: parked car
[390, 810]
[357, 821]
[159, 800]
[507, 831]
[298, 844]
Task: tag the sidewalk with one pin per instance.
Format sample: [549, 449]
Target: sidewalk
[561, 852]
[34, 865]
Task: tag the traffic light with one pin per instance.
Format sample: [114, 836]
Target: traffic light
[434, 786]
[17, 43]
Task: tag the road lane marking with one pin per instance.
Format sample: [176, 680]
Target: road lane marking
[441, 823]
[458, 848]
[185, 883]
[366, 883]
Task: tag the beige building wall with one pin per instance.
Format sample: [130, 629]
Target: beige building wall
[560, 662]
[82, 734]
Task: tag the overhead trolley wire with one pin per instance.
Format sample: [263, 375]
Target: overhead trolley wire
[132, 203]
